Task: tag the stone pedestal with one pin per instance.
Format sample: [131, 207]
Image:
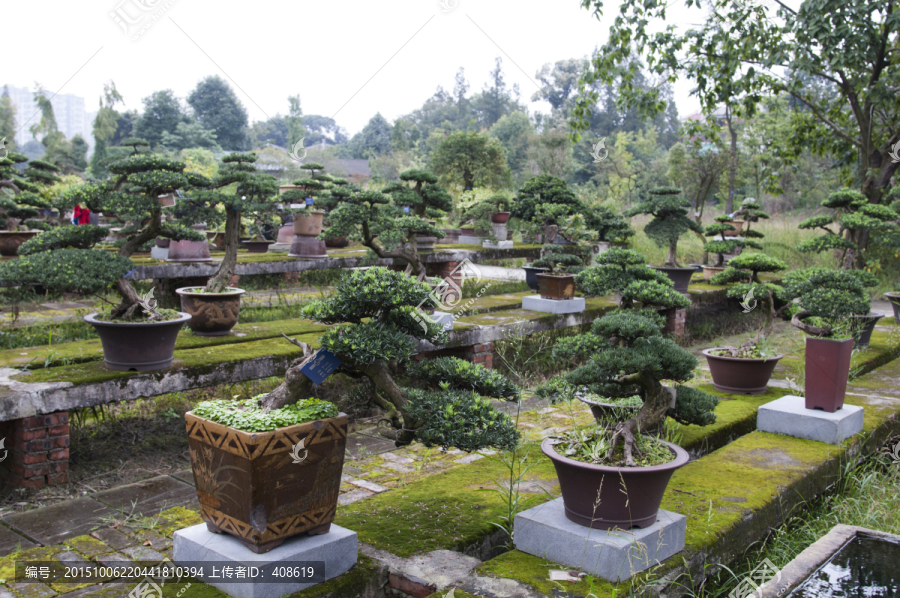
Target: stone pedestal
[614, 555]
[789, 416]
[329, 554]
[159, 253]
[470, 240]
[554, 306]
[500, 230]
[497, 245]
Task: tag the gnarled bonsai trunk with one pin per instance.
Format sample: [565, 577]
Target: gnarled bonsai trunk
[652, 414]
[670, 259]
[220, 281]
[409, 255]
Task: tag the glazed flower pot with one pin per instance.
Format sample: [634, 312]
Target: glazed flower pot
[138, 346]
[556, 286]
[308, 224]
[308, 247]
[167, 200]
[710, 271]
[681, 277]
[827, 371]
[628, 496]
[500, 217]
[337, 242]
[738, 227]
[162, 242]
[894, 298]
[251, 487]
[212, 314]
[11, 240]
[531, 277]
[257, 246]
[867, 325]
[740, 375]
[189, 251]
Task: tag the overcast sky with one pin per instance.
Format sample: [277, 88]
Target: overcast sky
[346, 59]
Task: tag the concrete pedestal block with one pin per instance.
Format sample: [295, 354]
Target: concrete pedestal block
[159, 253]
[614, 555]
[443, 318]
[279, 247]
[789, 416]
[554, 306]
[470, 240]
[497, 245]
[333, 554]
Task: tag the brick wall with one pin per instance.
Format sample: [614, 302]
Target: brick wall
[37, 450]
[482, 354]
[675, 319]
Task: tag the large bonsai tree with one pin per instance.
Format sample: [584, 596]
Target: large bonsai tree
[545, 201]
[625, 273]
[853, 218]
[669, 211]
[20, 203]
[744, 270]
[724, 244]
[826, 299]
[435, 401]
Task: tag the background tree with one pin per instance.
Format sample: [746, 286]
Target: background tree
[187, 135]
[106, 124]
[162, 112]
[218, 109]
[514, 132]
[470, 159]
[7, 119]
[374, 139]
[294, 121]
[545, 200]
[495, 101]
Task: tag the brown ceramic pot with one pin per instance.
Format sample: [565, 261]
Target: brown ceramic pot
[11, 240]
[451, 236]
[257, 246]
[285, 234]
[308, 224]
[337, 242]
[628, 496]
[680, 277]
[189, 251]
[162, 242]
[738, 227]
[138, 346]
[863, 336]
[307, 247]
[739, 375]
[709, 272]
[250, 486]
[555, 286]
[827, 372]
[212, 314]
[500, 217]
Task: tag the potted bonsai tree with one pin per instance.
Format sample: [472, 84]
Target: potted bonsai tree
[239, 190]
[722, 245]
[669, 211]
[484, 214]
[826, 300]
[328, 199]
[611, 228]
[615, 475]
[20, 204]
[557, 282]
[270, 496]
[307, 221]
[546, 192]
[426, 199]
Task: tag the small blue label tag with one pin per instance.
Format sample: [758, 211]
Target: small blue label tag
[321, 366]
[406, 209]
[130, 273]
[309, 201]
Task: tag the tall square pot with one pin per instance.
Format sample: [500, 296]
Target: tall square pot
[827, 371]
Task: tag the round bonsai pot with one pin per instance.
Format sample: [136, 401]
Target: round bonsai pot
[189, 251]
[603, 412]
[738, 227]
[710, 271]
[697, 267]
[451, 236]
[308, 224]
[286, 234]
[468, 232]
[681, 277]
[827, 372]
[212, 314]
[531, 273]
[864, 335]
[308, 247]
[500, 217]
[894, 298]
[556, 286]
[740, 375]
[337, 242]
[257, 246]
[11, 240]
[138, 346]
[628, 496]
[162, 242]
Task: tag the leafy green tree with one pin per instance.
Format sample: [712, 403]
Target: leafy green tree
[669, 211]
[470, 159]
[514, 132]
[495, 100]
[544, 200]
[294, 122]
[187, 135]
[219, 110]
[46, 125]
[7, 119]
[106, 124]
[625, 273]
[20, 201]
[826, 299]
[162, 112]
[377, 325]
[373, 140]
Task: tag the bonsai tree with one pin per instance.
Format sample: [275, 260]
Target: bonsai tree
[853, 217]
[545, 201]
[377, 327]
[744, 270]
[669, 211]
[479, 213]
[750, 211]
[625, 272]
[826, 300]
[724, 244]
[558, 261]
[20, 204]
[610, 227]
[310, 187]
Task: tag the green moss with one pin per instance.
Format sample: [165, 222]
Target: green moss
[39, 553]
[88, 546]
[351, 584]
[176, 518]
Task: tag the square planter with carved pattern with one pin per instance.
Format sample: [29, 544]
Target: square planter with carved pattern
[265, 487]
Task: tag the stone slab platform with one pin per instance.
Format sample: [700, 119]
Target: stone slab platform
[497, 245]
[554, 306]
[614, 555]
[789, 416]
[336, 552]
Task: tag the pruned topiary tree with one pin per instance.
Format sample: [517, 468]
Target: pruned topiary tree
[20, 203]
[669, 211]
[379, 324]
[625, 272]
[545, 201]
[744, 270]
[724, 244]
[826, 299]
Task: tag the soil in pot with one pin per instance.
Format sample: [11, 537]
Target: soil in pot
[138, 346]
[531, 276]
[740, 375]
[827, 371]
[257, 246]
[555, 286]
[265, 487]
[894, 298]
[680, 277]
[866, 326]
[628, 496]
[212, 314]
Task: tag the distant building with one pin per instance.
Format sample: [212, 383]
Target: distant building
[71, 117]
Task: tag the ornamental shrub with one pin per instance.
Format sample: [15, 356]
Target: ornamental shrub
[19, 199]
[558, 261]
[827, 299]
[669, 211]
[625, 272]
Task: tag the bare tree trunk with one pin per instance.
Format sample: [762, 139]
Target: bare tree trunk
[218, 282]
[732, 167]
[670, 260]
[652, 414]
[296, 385]
[129, 301]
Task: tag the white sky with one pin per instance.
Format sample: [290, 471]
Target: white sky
[267, 50]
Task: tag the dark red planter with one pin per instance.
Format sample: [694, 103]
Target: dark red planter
[827, 371]
[740, 376]
[308, 247]
[500, 217]
[257, 246]
[138, 346]
[681, 277]
[552, 286]
[337, 242]
[894, 298]
[212, 314]
[864, 336]
[628, 496]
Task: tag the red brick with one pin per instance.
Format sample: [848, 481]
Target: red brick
[58, 442]
[30, 471]
[60, 417]
[59, 454]
[478, 359]
[29, 423]
[55, 479]
[28, 458]
[20, 482]
[418, 588]
[33, 434]
[62, 430]
[30, 446]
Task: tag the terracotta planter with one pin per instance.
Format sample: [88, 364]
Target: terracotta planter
[500, 217]
[163, 242]
[167, 200]
[250, 487]
[681, 277]
[628, 496]
[138, 346]
[216, 239]
[11, 240]
[554, 286]
[257, 246]
[212, 314]
[285, 234]
[531, 277]
[337, 242]
[451, 236]
[862, 338]
[710, 271]
[827, 371]
[468, 232]
[894, 298]
[308, 225]
[189, 251]
[738, 227]
[283, 188]
[308, 247]
[740, 375]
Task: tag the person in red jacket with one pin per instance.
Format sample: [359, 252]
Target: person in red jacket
[81, 215]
